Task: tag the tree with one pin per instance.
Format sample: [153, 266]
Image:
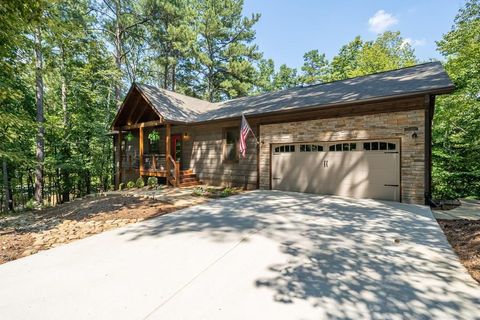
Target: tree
[225, 54]
[118, 21]
[456, 129]
[265, 76]
[389, 51]
[315, 68]
[171, 35]
[345, 62]
[285, 78]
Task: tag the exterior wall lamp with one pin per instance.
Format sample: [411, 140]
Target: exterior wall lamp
[413, 130]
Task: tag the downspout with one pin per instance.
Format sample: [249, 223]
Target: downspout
[429, 111]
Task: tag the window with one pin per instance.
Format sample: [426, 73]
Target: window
[154, 146]
[379, 145]
[343, 147]
[310, 148]
[284, 148]
[230, 144]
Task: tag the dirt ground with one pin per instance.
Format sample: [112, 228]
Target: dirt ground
[464, 237]
[30, 232]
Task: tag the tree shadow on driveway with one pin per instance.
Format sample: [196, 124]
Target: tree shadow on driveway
[348, 258]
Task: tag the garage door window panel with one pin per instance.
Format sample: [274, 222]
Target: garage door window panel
[379, 146]
[284, 149]
[343, 147]
[311, 148]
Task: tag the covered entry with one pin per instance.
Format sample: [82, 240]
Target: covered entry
[359, 169]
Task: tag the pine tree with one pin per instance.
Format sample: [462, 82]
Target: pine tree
[315, 68]
[225, 51]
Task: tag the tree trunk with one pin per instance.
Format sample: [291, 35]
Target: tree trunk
[118, 51]
[165, 76]
[6, 185]
[64, 92]
[65, 173]
[40, 143]
[30, 185]
[174, 76]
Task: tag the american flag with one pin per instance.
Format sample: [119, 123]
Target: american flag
[244, 131]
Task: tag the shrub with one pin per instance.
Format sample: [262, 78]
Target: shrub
[152, 182]
[111, 187]
[121, 186]
[30, 205]
[140, 183]
[198, 191]
[130, 184]
[227, 192]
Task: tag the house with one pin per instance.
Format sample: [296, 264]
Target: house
[365, 137]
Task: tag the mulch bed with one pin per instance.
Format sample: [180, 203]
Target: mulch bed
[464, 237]
[30, 232]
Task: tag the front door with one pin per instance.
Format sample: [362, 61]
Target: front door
[176, 148]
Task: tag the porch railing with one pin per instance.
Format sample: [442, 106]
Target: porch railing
[173, 175]
[154, 162]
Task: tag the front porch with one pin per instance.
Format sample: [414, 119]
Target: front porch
[151, 149]
[148, 145]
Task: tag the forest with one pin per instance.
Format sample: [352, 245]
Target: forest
[65, 66]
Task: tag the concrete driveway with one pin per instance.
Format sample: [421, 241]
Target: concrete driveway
[260, 255]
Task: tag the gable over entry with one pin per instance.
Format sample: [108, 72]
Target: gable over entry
[134, 110]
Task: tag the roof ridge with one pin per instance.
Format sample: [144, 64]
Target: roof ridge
[333, 81]
[173, 92]
[420, 78]
[219, 103]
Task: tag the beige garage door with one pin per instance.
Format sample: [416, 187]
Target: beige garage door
[359, 169]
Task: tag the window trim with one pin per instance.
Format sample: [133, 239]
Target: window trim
[224, 145]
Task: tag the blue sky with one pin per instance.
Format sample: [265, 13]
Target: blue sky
[288, 29]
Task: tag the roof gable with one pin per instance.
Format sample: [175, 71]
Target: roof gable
[134, 109]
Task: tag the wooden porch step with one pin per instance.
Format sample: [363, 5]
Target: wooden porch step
[190, 184]
[188, 175]
[189, 179]
[186, 179]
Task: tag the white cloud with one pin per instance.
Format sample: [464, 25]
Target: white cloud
[415, 42]
[381, 21]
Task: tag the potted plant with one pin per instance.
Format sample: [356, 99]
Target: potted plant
[153, 136]
[129, 136]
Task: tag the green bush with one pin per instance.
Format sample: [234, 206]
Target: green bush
[198, 191]
[130, 184]
[121, 186]
[111, 187]
[227, 192]
[152, 182]
[30, 205]
[140, 183]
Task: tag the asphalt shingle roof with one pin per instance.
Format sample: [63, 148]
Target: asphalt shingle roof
[423, 78]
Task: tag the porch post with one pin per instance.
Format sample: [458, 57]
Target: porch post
[119, 157]
[141, 148]
[167, 149]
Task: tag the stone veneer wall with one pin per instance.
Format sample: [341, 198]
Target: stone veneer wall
[376, 126]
